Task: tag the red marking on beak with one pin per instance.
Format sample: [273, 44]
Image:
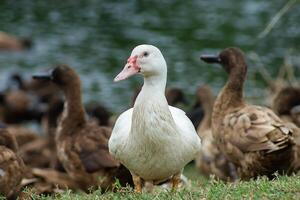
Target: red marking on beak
[130, 69]
[132, 60]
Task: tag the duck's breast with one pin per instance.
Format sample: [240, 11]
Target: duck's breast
[160, 148]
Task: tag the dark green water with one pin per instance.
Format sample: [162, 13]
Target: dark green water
[96, 37]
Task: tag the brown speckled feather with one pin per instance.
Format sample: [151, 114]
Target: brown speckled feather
[85, 156]
[11, 166]
[257, 142]
[36, 153]
[255, 128]
[93, 148]
[33, 149]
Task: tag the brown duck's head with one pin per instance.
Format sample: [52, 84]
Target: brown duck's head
[7, 139]
[100, 113]
[62, 75]
[174, 96]
[231, 59]
[286, 100]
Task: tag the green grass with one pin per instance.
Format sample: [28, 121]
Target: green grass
[282, 187]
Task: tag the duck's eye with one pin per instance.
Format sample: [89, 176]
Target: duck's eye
[145, 54]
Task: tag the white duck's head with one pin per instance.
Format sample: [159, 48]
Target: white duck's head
[146, 60]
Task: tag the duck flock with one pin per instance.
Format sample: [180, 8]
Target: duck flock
[84, 148]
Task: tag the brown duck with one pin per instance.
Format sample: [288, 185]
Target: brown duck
[254, 138]
[18, 106]
[196, 113]
[283, 85]
[9, 42]
[82, 145]
[287, 104]
[210, 160]
[175, 96]
[43, 90]
[11, 165]
[32, 148]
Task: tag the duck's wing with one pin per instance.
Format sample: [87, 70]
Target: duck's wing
[120, 132]
[185, 126]
[256, 128]
[11, 171]
[92, 148]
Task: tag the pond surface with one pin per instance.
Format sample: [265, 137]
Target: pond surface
[96, 37]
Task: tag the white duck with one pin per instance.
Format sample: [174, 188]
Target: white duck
[153, 140]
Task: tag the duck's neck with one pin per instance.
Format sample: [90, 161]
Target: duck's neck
[55, 110]
[152, 92]
[231, 96]
[151, 107]
[208, 109]
[153, 86]
[74, 113]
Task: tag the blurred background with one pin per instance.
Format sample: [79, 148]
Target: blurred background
[96, 38]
